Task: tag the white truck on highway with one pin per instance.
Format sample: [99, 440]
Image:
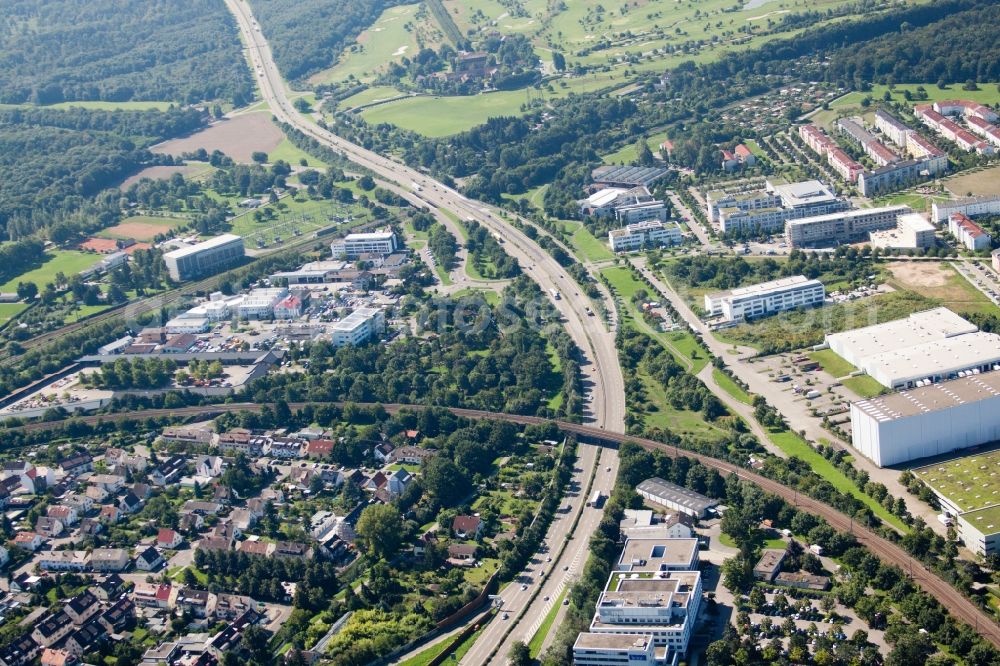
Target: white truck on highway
[555, 294]
[416, 186]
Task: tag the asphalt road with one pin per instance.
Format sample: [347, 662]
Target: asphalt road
[603, 376]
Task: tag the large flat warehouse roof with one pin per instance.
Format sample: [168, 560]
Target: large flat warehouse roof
[919, 327]
[935, 358]
[932, 398]
[962, 479]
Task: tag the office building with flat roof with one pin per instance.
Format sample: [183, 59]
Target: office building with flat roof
[843, 227]
[204, 258]
[651, 233]
[675, 497]
[358, 326]
[662, 606]
[913, 230]
[766, 298]
[768, 209]
[930, 420]
[352, 246]
[591, 649]
[658, 555]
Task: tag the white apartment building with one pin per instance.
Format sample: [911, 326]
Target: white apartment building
[766, 298]
[358, 326]
[649, 233]
[972, 236]
[259, 303]
[892, 127]
[203, 258]
[352, 246]
[971, 207]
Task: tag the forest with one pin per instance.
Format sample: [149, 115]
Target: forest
[55, 166]
[185, 51]
[311, 37]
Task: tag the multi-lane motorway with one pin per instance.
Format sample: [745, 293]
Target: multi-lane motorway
[604, 378]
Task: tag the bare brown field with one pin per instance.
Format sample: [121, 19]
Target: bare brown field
[237, 137]
[979, 183]
[141, 228]
[160, 173]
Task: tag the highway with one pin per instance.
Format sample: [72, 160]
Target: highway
[603, 376]
[960, 607]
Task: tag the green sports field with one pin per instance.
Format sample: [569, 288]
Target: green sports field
[970, 482]
[69, 262]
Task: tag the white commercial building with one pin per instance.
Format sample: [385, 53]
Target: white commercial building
[204, 258]
[663, 606]
[767, 210]
[642, 212]
[658, 555]
[592, 649]
[358, 326]
[842, 227]
[187, 325]
[352, 246]
[913, 231]
[928, 421]
[259, 303]
[651, 233]
[766, 298]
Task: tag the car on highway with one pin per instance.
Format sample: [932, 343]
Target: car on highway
[524, 586]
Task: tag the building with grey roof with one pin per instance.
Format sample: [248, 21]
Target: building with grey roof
[675, 497]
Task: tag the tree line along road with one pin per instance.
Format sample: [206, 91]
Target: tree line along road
[948, 596]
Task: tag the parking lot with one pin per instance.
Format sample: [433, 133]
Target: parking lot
[982, 278]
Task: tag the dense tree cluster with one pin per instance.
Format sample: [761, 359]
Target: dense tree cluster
[487, 255]
[721, 273]
[124, 374]
[62, 50]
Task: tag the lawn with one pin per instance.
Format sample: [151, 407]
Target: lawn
[69, 262]
[587, 247]
[491, 297]
[661, 414]
[369, 96]
[431, 653]
[793, 445]
[833, 363]
[443, 275]
[865, 386]
[941, 282]
[727, 384]
[535, 645]
[727, 540]
[981, 182]
[987, 94]
[292, 154]
[628, 153]
[436, 116]
[9, 311]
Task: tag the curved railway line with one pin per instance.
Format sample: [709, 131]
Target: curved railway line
[947, 595]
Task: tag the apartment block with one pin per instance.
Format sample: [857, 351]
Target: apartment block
[843, 227]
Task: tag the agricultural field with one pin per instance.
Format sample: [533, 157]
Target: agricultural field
[970, 482]
[436, 116]
[399, 32]
[190, 170]
[68, 262]
[141, 227]
[238, 137]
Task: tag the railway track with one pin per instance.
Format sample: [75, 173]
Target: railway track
[948, 596]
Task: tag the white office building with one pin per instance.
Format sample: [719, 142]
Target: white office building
[651, 233]
[766, 298]
[663, 606]
[928, 421]
[913, 231]
[352, 246]
[767, 210]
[204, 258]
[658, 555]
[842, 227]
[358, 326]
[595, 649]
[259, 303]
[642, 212]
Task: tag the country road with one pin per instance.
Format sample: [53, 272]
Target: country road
[949, 597]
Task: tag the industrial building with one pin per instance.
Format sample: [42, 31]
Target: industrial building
[766, 298]
[627, 176]
[928, 421]
[204, 258]
[913, 231]
[675, 497]
[969, 234]
[352, 246]
[644, 234]
[968, 491]
[358, 326]
[971, 207]
[843, 227]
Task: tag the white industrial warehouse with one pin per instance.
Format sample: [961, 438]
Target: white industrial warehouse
[929, 346]
[928, 421]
